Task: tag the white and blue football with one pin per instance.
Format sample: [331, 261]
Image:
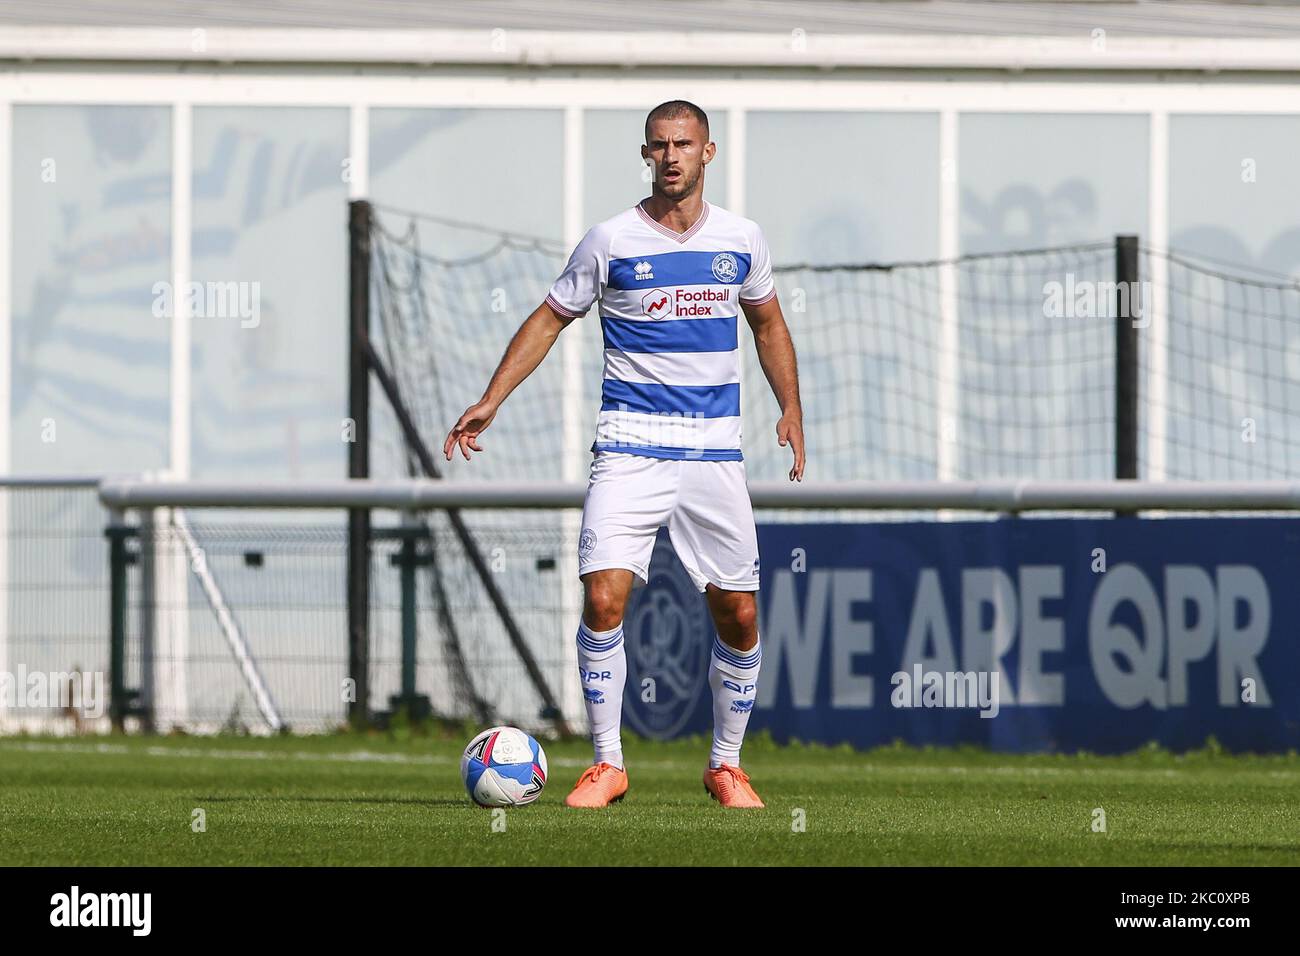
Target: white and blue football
[503, 767]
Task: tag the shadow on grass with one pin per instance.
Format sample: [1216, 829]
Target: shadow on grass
[383, 801]
[1290, 852]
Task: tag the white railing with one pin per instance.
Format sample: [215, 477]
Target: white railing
[1012, 497]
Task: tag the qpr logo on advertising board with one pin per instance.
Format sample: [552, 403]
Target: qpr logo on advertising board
[668, 637]
[725, 267]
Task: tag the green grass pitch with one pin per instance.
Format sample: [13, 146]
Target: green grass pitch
[397, 799]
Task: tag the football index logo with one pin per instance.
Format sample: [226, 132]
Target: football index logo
[657, 304]
[643, 271]
[725, 268]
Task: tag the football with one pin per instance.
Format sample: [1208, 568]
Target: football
[503, 767]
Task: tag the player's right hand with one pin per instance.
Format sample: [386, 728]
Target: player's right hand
[471, 425]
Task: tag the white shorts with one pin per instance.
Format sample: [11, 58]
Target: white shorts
[705, 505]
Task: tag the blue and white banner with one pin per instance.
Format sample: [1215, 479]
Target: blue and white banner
[1018, 634]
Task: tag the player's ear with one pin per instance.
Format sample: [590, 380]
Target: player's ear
[710, 150]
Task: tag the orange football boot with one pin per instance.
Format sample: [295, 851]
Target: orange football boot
[730, 787]
[599, 786]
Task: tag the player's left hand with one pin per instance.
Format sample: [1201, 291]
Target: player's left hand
[789, 430]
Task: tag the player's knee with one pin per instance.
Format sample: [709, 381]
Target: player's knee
[604, 608]
[739, 618]
[745, 618]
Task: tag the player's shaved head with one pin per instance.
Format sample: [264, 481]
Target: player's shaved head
[676, 109]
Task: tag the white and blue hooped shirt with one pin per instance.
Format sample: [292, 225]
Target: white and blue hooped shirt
[669, 307]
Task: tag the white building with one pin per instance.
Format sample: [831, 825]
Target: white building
[159, 142]
[145, 147]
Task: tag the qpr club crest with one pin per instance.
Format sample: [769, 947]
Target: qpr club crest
[725, 268]
[668, 637]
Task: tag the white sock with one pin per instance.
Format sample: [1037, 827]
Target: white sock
[604, 671]
[733, 675]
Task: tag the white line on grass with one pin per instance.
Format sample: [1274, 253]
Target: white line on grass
[1169, 774]
[353, 756]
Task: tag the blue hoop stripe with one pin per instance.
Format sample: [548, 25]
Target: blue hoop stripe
[735, 658]
[595, 646]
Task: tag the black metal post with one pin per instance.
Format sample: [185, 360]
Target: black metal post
[358, 586]
[1127, 310]
[408, 560]
[120, 699]
[146, 557]
[408, 618]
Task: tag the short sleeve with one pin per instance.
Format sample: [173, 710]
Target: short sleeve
[758, 286]
[583, 278]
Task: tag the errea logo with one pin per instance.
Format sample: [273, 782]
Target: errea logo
[657, 304]
[643, 271]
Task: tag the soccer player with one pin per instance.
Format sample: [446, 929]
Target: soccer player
[670, 277]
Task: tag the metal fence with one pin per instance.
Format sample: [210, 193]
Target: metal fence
[53, 600]
[225, 606]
